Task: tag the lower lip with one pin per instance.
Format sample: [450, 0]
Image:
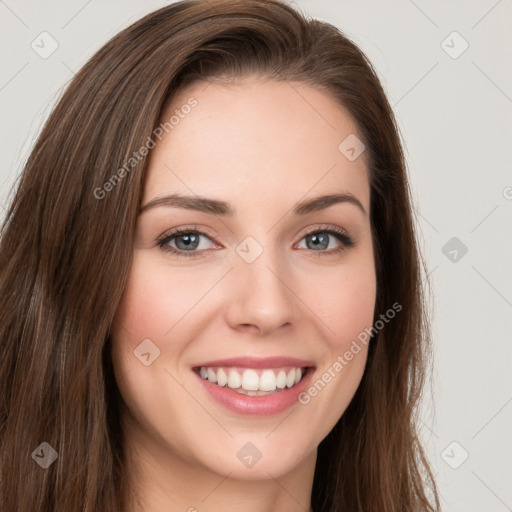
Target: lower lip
[257, 405]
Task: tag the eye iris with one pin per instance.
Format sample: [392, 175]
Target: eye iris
[319, 240]
[189, 240]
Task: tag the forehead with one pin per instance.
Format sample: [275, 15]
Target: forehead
[255, 141]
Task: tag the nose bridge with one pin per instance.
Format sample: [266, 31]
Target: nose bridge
[261, 289]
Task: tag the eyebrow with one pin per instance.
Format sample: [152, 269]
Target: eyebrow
[222, 208]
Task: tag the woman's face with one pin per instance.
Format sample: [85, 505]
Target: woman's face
[245, 295]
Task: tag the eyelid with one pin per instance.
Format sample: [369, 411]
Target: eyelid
[323, 227]
[185, 229]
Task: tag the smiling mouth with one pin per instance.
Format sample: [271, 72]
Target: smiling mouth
[254, 381]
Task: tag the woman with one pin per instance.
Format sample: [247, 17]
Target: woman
[210, 283]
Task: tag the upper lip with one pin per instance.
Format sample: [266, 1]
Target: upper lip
[258, 362]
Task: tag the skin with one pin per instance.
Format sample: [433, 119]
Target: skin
[261, 145]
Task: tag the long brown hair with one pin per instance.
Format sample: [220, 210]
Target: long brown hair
[66, 248]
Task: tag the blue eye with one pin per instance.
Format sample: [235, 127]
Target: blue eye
[320, 240]
[186, 241]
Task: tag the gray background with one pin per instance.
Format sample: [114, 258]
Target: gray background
[454, 111]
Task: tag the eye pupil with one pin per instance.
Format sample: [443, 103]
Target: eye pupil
[319, 239]
[189, 240]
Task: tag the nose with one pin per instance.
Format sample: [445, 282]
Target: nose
[261, 298]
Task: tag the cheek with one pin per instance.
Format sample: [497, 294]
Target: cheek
[144, 315]
[151, 306]
[154, 303]
[346, 308]
[343, 298]
[352, 308]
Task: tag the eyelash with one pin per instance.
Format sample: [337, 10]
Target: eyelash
[346, 241]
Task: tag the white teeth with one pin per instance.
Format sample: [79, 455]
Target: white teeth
[290, 379]
[211, 375]
[252, 381]
[281, 379]
[267, 381]
[222, 378]
[234, 379]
